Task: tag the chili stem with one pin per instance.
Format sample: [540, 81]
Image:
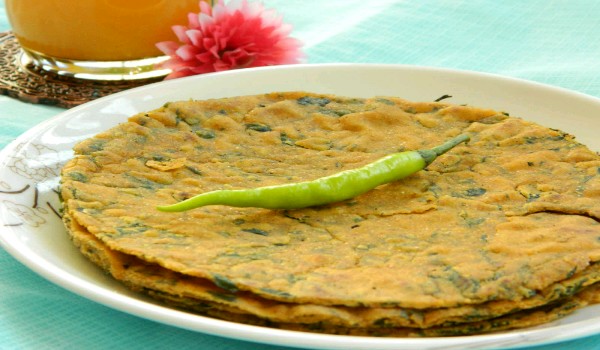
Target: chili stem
[430, 155]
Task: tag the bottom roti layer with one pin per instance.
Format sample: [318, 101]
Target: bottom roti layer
[204, 297]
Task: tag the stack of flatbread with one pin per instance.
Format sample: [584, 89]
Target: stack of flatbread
[499, 233]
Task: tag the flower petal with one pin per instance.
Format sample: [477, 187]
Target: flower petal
[180, 33]
[194, 37]
[205, 22]
[205, 8]
[187, 52]
[167, 47]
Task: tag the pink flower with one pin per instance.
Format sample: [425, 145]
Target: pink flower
[239, 34]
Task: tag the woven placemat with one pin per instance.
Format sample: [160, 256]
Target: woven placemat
[28, 83]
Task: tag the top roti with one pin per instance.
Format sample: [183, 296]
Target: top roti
[501, 218]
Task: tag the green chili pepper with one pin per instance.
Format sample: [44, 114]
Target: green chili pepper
[334, 188]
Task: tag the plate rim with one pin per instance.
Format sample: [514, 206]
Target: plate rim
[258, 334]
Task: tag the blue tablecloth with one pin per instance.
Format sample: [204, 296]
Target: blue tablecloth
[554, 42]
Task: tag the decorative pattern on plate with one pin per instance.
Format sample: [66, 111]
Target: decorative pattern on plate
[21, 80]
[28, 203]
[36, 162]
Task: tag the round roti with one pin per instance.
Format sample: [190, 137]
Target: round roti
[505, 218]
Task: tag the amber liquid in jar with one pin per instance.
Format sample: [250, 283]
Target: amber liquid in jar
[93, 33]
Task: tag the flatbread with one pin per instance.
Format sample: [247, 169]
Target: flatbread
[203, 296]
[508, 222]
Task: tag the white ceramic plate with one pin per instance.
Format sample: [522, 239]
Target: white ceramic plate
[29, 168]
